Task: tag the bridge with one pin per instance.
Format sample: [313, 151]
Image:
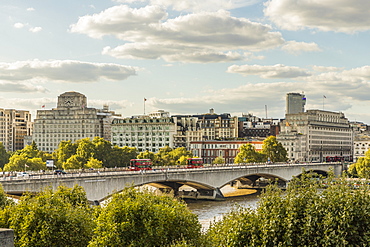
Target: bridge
[205, 183]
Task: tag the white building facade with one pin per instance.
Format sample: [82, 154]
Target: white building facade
[144, 132]
[71, 120]
[361, 145]
[316, 135]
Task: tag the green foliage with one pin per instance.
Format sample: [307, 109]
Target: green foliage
[4, 201]
[146, 155]
[135, 218]
[219, 160]
[65, 150]
[94, 163]
[20, 162]
[248, 154]
[77, 155]
[74, 162]
[361, 168]
[304, 215]
[60, 218]
[170, 157]
[274, 150]
[29, 158]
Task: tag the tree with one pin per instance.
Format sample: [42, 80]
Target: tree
[167, 156]
[74, 162]
[85, 150]
[102, 150]
[65, 150]
[274, 150]
[304, 215]
[219, 160]
[146, 155]
[248, 154]
[140, 218]
[180, 155]
[362, 167]
[94, 163]
[51, 218]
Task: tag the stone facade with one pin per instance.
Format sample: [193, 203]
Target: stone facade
[315, 134]
[71, 120]
[6, 237]
[361, 145]
[144, 132]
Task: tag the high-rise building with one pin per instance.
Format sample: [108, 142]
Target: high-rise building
[71, 120]
[14, 126]
[295, 103]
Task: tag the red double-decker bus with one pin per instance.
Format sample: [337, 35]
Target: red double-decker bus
[194, 163]
[140, 164]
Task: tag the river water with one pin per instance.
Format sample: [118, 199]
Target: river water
[210, 211]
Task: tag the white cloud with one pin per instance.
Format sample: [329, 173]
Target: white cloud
[19, 25]
[35, 29]
[295, 47]
[274, 71]
[119, 21]
[205, 36]
[21, 87]
[196, 5]
[325, 68]
[65, 70]
[326, 15]
[30, 9]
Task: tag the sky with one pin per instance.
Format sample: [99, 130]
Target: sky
[186, 57]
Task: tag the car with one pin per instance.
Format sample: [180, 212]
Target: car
[59, 172]
[23, 175]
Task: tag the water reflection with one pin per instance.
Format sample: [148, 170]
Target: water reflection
[209, 211]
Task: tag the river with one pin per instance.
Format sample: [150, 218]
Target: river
[209, 211]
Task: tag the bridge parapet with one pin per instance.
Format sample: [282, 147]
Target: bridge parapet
[99, 186]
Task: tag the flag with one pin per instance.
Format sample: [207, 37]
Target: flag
[324, 96]
[43, 106]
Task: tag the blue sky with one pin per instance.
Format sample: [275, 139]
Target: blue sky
[186, 57]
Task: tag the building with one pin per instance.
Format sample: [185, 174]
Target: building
[144, 132]
[71, 120]
[14, 126]
[295, 103]
[209, 126]
[316, 135]
[361, 145]
[251, 126]
[228, 149]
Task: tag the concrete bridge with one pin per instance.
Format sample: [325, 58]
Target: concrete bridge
[205, 183]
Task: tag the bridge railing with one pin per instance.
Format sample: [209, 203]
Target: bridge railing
[156, 169]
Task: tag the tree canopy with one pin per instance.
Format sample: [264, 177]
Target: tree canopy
[51, 218]
[362, 167]
[304, 215]
[272, 151]
[140, 218]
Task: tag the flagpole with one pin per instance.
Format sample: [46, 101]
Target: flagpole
[323, 102]
[144, 105]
